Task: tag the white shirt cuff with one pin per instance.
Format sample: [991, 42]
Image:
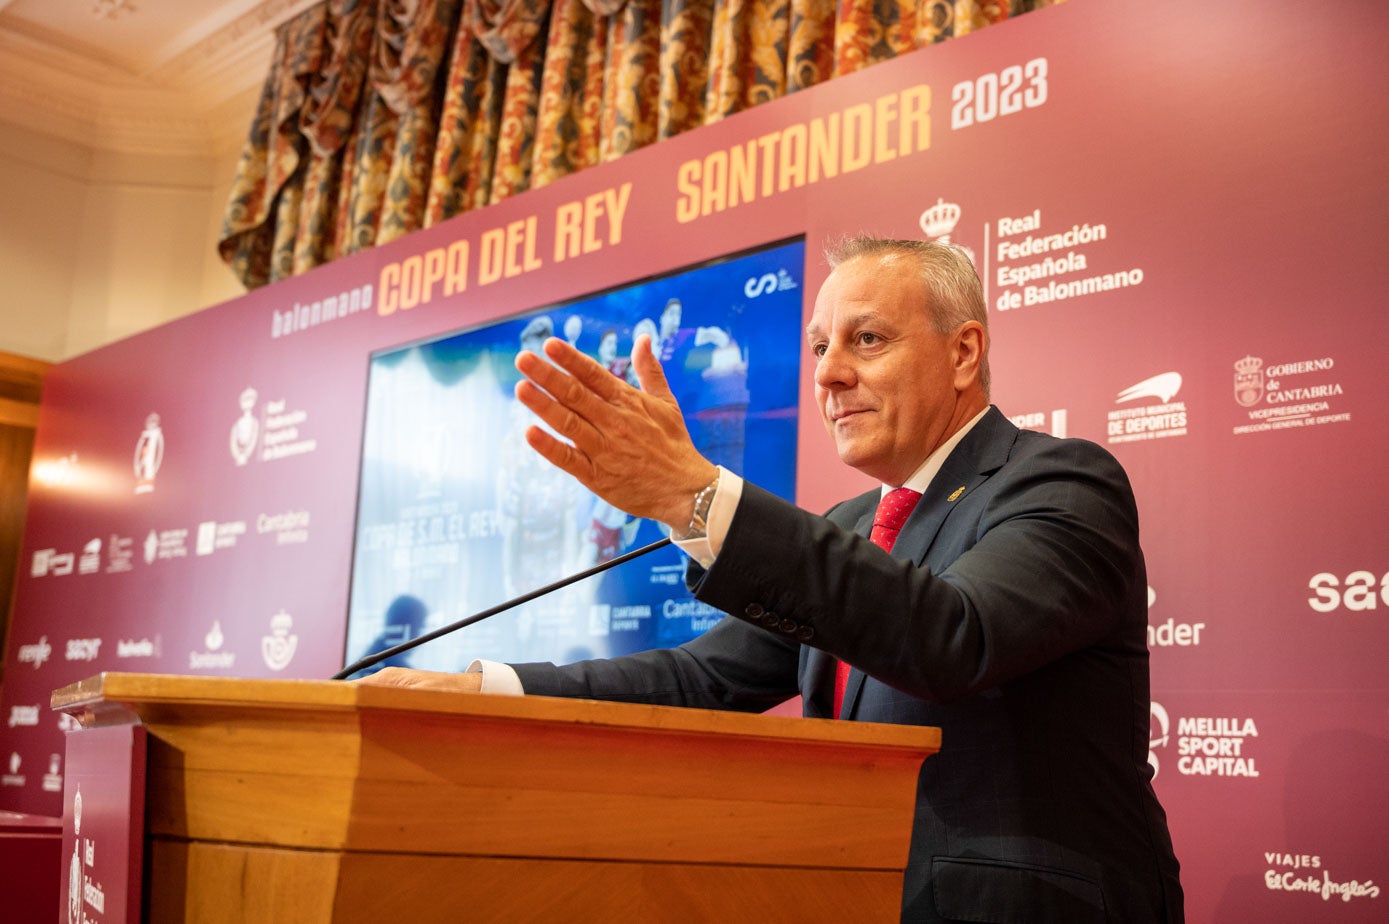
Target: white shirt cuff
[497, 678]
[726, 496]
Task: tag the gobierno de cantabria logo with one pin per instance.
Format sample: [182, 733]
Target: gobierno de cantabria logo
[1288, 395]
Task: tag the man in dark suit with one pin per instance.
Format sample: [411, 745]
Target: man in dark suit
[1009, 609]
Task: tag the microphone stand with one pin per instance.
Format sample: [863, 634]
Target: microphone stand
[371, 660]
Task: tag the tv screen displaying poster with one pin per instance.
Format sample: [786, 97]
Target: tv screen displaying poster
[456, 513]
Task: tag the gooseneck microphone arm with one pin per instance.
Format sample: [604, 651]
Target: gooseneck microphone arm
[371, 660]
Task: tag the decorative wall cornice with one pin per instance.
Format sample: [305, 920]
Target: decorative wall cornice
[197, 100]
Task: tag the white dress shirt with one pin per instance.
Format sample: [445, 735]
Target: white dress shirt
[500, 678]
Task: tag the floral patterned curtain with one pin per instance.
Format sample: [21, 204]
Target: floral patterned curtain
[379, 117]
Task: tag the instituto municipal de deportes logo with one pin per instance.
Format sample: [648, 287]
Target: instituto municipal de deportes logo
[1249, 381]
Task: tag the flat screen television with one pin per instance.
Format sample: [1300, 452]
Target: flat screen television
[456, 514]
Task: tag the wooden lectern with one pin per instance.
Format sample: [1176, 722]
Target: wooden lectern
[313, 801]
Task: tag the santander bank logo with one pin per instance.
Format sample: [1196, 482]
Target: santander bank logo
[213, 658]
[14, 777]
[1053, 423]
[1171, 633]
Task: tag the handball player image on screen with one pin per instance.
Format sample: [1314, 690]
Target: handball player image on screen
[456, 514]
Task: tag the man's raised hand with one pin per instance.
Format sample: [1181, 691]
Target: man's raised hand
[627, 445]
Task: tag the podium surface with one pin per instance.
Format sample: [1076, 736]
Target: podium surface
[282, 800]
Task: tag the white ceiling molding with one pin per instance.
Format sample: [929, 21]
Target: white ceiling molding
[181, 85]
[111, 9]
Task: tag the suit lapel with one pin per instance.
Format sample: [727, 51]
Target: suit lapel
[981, 453]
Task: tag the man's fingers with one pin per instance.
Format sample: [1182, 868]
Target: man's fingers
[560, 454]
[649, 372]
[587, 371]
[423, 680]
[587, 395]
[555, 381]
[559, 415]
[627, 445]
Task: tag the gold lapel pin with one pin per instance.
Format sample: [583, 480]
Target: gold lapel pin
[956, 496]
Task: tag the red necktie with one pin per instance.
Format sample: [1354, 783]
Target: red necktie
[893, 511]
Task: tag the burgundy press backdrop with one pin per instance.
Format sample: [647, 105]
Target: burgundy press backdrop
[1178, 212]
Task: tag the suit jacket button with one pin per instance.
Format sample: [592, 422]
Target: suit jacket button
[788, 626]
[770, 620]
[805, 633]
[753, 611]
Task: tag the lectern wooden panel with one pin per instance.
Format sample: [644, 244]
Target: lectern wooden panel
[273, 801]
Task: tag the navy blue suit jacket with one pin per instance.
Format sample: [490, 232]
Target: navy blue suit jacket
[1012, 614]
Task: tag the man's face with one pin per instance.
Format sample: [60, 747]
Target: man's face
[885, 381]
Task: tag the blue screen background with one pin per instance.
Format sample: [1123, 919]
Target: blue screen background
[456, 513]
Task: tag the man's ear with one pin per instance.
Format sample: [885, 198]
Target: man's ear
[969, 345]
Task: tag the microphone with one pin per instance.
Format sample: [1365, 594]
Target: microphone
[407, 645]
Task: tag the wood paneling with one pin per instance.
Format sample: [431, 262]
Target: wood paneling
[21, 382]
[242, 884]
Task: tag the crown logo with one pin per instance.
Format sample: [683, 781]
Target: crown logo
[940, 219]
[281, 623]
[1249, 381]
[248, 399]
[278, 647]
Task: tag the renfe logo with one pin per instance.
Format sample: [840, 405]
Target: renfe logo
[36, 653]
[1356, 593]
